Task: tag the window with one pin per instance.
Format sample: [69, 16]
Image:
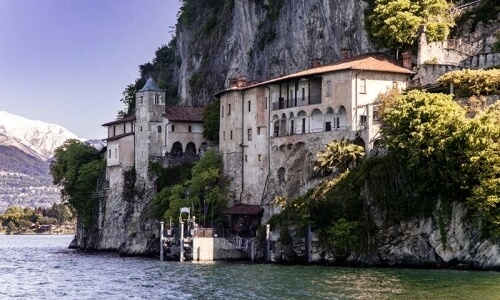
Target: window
[223, 135]
[231, 135]
[189, 128]
[173, 127]
[329, 88]
[222, 112]
[249, 134]
[303, 94]
[124, 127]
[259, 156]
[159, 128]
[114, 130]
[249, 105]
[157, 99]
[328, 126]
[362, 86]
[394, 85]
[141, 99]
[141, 128]
[116, 153]
[246, 158]
[229, 109]
[109, 153]
[258, 130]
[376, 116]
[362, 119]
[266, 101]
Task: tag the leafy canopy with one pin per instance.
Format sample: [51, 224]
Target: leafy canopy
[76, 168]
[395, 24]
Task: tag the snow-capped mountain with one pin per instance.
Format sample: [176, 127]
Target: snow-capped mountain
[41, 137]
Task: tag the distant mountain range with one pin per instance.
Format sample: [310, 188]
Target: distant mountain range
[26, 147]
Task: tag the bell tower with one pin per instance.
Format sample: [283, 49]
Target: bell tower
[149, 110]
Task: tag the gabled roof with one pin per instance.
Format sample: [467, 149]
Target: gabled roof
[123, 120]
[244, 209]
[379, 62]
[117, 137]
[184, 113]
[150, 86]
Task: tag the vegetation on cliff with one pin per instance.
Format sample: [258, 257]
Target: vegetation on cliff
[437, 155]
[203, 190]
[76, 169]
[395, 24]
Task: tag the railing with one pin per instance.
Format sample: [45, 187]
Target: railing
[235, 243]
[296, 102]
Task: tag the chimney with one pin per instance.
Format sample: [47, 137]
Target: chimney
[316, 62]
[406, 60]
[242, 81]
[344, 53]
[232, 82]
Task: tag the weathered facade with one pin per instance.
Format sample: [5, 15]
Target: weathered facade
[271, 131]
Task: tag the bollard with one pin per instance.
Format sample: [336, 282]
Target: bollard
[161, 241]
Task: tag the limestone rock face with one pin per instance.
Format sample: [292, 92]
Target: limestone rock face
[418, 243]
[256, 45]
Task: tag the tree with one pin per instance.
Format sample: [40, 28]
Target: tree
[472, 82]
[76, 168]
[395, 24]
[340, 156]
[211, 121]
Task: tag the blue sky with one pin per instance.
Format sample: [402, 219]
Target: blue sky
[68, 61]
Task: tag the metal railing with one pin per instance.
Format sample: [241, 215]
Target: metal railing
[296, 102]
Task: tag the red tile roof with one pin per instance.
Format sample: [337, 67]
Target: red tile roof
[184, 113]
[367, 62]
[244, 209]
[124, 120]
[116, 137]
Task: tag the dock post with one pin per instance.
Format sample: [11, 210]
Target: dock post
[181, 241]
[308, 249]
[161, 241]
[268, 237]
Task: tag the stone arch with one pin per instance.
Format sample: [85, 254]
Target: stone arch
[275, 148]
[176, 149]
[281, 175]
[329, 119]
[360, 142]
[316, 121]
[289, 146]
[300, 145]
[282, 148]
[341, 118]
[302, 126]
[191, 149]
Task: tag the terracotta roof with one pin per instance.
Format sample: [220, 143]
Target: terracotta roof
[367, 62]
[116, 137]
[124, 120]
[244, 209]
[184, 113]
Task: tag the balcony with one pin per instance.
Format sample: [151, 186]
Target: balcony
[296, 102]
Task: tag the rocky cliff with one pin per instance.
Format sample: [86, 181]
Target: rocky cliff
[261, 39]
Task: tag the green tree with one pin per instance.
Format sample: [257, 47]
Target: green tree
[211, 121]
[340, 156]
[76, 168]
[395, 24]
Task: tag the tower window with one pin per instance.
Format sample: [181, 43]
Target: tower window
[141, 99]
[109, 153]
[157, 99]
[116, 153]
[258, 130]
[249, 134]
[173, 127]
[222, 112]
[249, 105]
[159, 128]
[362, 86]
[114, 130]
[259, 156]
[231, 135]
[223, 135]
[229, 109]
[246, 157]
[329, 88]
[189, 128]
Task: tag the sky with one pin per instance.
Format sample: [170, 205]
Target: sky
[68, 61]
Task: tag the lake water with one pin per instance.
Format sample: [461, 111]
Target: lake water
[41, 267]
